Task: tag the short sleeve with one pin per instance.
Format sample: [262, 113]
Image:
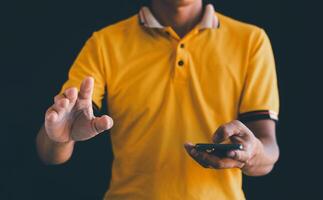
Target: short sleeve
[260, 98]
[88, 63]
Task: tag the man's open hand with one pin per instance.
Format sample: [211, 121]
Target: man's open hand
[235, 132]
[71, 117]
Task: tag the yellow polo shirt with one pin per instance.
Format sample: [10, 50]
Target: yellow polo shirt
[163, 91]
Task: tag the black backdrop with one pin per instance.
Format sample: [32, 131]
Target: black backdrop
[39, 41]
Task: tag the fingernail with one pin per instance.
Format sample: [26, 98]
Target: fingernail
[110, 121]
[231, 154]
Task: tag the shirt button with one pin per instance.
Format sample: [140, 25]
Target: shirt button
[180, 63]
[182, 46]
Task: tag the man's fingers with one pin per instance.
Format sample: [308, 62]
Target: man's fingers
[51, 115]
[217, 162]
[189, 147]
[102, 123]
[226, 163]
[224, 132]
[242, 156]
[211, 161]
[195, 154]
[61, 105]
[71, 94]
[56, 111]
[58, 97]
[86, 88]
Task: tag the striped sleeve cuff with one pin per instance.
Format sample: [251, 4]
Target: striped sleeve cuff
[258, 115]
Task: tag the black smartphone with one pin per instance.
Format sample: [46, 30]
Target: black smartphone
[217, 149]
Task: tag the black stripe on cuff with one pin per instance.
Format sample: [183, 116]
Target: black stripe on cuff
[258, 115]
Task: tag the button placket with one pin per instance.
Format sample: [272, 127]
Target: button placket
[181, 61]
[182, 54]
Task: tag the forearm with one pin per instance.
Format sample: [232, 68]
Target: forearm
[263, 161]
[52, 152]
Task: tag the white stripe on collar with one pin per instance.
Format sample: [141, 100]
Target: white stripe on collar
[209, 19]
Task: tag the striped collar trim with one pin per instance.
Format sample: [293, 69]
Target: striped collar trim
[209, 19]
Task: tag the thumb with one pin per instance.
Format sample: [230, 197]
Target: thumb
[102, 123]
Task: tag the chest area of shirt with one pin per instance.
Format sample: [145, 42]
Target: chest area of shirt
[154, 78]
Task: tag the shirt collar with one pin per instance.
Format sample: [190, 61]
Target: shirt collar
[209, 19]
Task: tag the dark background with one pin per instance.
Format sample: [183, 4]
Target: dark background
[39, 41]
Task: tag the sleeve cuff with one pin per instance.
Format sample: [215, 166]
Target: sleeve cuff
[258, 115]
